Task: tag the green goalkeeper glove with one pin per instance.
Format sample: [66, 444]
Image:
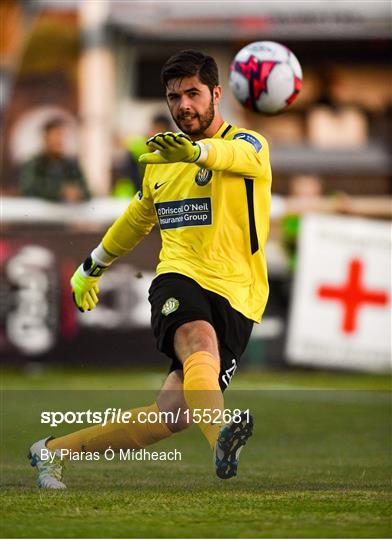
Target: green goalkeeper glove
[84, 284]
[171, 148]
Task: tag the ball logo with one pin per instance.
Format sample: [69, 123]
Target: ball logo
[265, 77]
[170, 306]
[203, 177]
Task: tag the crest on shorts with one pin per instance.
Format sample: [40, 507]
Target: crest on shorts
[169, 306]
[203, 177]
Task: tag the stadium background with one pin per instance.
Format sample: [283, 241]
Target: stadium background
[97, 64]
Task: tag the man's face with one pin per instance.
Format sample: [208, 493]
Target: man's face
[54, 140]
[191, 104]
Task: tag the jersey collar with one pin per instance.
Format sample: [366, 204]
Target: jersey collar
[221, 130]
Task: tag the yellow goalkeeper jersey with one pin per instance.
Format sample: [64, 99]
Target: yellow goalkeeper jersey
[213, 219]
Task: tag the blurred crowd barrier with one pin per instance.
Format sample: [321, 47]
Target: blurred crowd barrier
[329, 276]
[42, 245]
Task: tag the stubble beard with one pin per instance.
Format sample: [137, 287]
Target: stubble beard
[205, 121]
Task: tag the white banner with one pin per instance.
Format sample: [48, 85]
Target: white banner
[341, 306]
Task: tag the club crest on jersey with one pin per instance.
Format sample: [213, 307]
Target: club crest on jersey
[203, 177]
[170, 306]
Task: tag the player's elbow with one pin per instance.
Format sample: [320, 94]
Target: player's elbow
[252, 172]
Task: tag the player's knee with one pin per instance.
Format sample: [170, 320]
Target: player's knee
[183, 421]
[176, 418]
[174, 411]
[193, 337]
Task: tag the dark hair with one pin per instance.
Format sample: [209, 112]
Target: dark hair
[161, 118]
[52, 124]
[189, 63]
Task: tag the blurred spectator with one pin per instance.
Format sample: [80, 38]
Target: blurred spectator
[342, 127]
[52, 175]
[159, 124]
[125, 171]
[335, 125]
[129, 172]
[305, 194]
[306, 187]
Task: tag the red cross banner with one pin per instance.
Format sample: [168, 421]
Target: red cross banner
[341, 306]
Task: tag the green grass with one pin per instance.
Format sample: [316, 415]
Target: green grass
[318, 465]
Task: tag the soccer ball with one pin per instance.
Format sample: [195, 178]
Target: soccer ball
[265, 77]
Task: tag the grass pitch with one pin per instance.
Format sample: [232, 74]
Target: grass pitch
[318, 465]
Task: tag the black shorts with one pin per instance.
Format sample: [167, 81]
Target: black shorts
[176, 299]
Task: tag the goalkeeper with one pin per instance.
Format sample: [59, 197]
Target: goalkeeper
[208, 189]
